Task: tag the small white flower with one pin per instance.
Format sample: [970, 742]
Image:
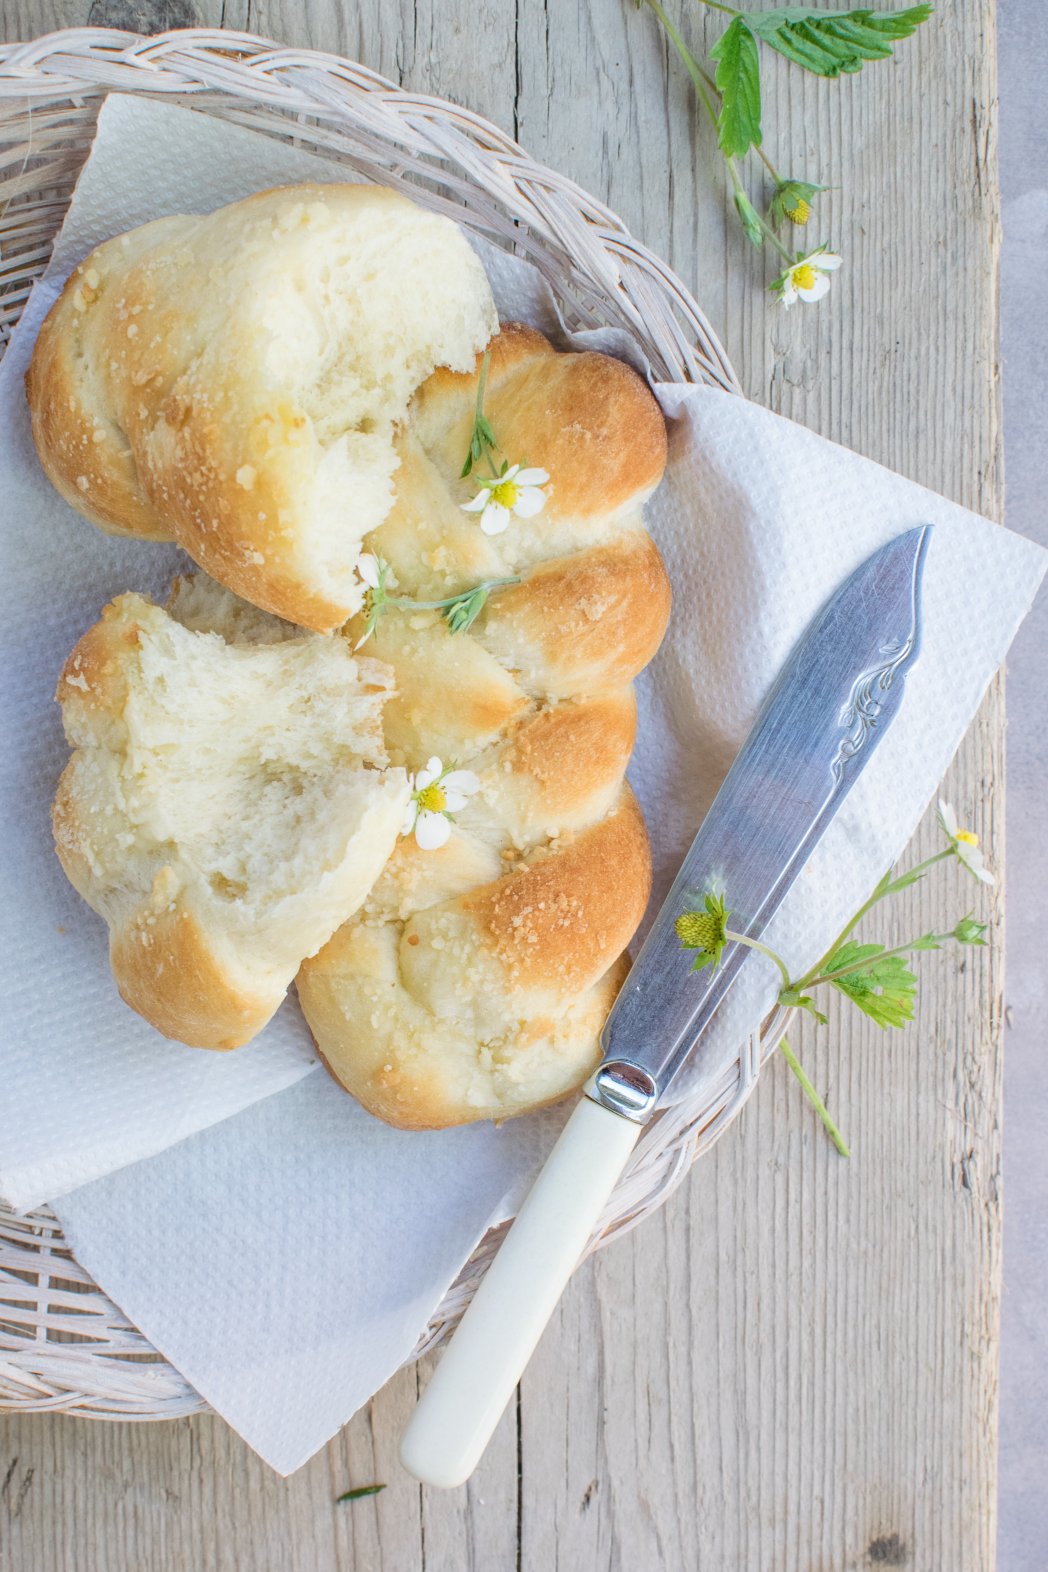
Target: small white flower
[436, 794]
[965, 843]
[515, 492]
[806, 279]
[368, 568]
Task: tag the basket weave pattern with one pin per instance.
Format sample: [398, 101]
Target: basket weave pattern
[63, 1344]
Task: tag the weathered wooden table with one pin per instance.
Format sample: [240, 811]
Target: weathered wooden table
[793, 1367]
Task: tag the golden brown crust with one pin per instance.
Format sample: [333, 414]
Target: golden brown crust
[560, 769]
[82, 449]
[408, 1082]
[587, 419]
[562, 920]
[584, 621]
[167, 970]
[93, 677]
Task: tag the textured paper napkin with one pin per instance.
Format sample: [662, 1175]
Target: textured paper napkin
[286, 1259]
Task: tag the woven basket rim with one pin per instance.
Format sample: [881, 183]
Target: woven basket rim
[63, 1344]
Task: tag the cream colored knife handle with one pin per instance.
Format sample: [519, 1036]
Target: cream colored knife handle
[485, 1359]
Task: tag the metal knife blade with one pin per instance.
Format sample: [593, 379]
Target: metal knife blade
[834, 700]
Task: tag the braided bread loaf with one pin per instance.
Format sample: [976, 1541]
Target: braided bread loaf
[474, 982]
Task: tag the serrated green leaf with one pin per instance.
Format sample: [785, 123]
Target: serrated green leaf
[851, 954]
[828, 43]
[750, 218]
[739, 84]
[885, 989]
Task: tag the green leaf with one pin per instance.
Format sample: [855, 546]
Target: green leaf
[883, 988]
[851, 954]
[750, 218]
[903, 880]
[739, 84]
[828, 43]
[360, 1492]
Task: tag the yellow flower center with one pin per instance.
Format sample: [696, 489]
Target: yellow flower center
[967, 837]
[432, 798]
[799, 213]
[804, 276]
[506, 493]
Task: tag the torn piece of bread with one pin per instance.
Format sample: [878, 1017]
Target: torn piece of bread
[225, 808]
[233, 381]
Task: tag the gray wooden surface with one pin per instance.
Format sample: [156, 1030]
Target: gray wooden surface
[793, 1367]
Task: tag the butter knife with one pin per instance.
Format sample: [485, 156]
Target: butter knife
[835, 698]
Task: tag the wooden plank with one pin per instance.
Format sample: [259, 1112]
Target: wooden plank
[812, 1384]
[792, 1368]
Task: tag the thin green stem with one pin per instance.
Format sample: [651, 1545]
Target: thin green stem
[717, 5]
[769, 166]
[879, 894]
[755, 944]
[766, 228]
[859, 966]
[407, 603]
[813, 1097]
[706, 90]
[692, 66]
[482, 382]
[917, 871]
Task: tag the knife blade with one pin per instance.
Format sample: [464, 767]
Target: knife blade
[833, 702]
[831, 705]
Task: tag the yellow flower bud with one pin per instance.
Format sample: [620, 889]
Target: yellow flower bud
[699, 931]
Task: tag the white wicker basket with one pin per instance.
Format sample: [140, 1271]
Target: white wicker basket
[63, 1344]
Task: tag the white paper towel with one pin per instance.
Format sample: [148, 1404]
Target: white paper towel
[214, 1246]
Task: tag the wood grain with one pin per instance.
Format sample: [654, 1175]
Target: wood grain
[792, 1368]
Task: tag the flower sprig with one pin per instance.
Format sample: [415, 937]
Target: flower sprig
[509, 490]
[460, 611]
[826, 43]
[876, 979]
